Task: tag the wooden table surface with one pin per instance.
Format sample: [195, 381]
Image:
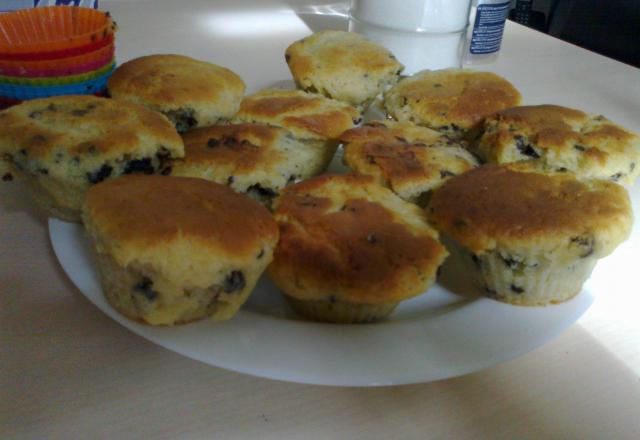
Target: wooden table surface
[69, 371]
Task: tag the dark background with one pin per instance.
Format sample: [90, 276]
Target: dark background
[608, 27]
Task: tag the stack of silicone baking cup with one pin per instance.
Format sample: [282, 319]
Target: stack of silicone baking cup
[57, 50]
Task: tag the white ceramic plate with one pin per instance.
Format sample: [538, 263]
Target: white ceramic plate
[434, 336]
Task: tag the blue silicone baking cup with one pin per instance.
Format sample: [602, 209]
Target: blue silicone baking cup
[91, 87]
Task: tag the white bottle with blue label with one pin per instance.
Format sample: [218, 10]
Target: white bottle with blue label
[486, 27]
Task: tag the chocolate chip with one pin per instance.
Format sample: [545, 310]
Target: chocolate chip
[446, 173]
[561, 170]
[263, 192]
[516, 289]
[163, 155]
[166, 171]
[261, 254]
[230, 180]
[401, 139]
[510, 262]
[585, 242]
[371, 238]
[476, 261]
[580, 147]
[35, 114]
[526, 148]
[230, 141]
[144, 287]
[616, 177]
[333, 299]
[436, 85]
[43, 171]
[139, 166]
[7, 177]
[183, 119]
[98, 176]
[234, 282]
[213, 142]
[23, 152]
[356, 121]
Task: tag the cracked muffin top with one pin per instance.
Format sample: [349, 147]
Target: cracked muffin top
[504, 204]
[190, 92]
[409, 159]
[85, 138]
[550, 138]
[453, 101]
[342, 65]
[346, 236]
[158, 220]
[306, 115]
[257, 159]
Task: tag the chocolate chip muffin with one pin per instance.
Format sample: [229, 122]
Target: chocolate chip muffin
[351, 250]
[172, 250]
[342, 65]
[62, 145]
[256, 159]
[311, 118]
[408, 159]
[529, 238]
[452, 101]
[191, 93]
[551, 139]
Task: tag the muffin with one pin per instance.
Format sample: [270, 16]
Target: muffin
[64, 144]
[172, 250]
[255, 159]
[550, 138]
[408, 159]
[452, 101]
[342, 65]
[351, 250]
[191, 93]
[528, 238]
[312, 118]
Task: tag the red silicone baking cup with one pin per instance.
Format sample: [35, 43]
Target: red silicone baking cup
[52, 29]
[59, 63]
[63, 53]
[43, 69]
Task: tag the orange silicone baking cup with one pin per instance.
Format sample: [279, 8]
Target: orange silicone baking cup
[52, 28]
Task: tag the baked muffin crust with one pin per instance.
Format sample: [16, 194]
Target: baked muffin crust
[342, 65]
[551, 138]
[190, 92]
[453, 101]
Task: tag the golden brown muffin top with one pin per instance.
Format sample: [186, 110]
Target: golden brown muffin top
[342, 65]
[85, 126]
[559, 128]
[245, 146]
[139, 213]
[174, 81]
[452, 96]
[355, 238]
[503, 204]
[306, 115]
[409, 159]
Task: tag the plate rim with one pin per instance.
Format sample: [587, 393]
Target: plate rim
[60, 231]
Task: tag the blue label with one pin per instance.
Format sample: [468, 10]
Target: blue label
[488, 28]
